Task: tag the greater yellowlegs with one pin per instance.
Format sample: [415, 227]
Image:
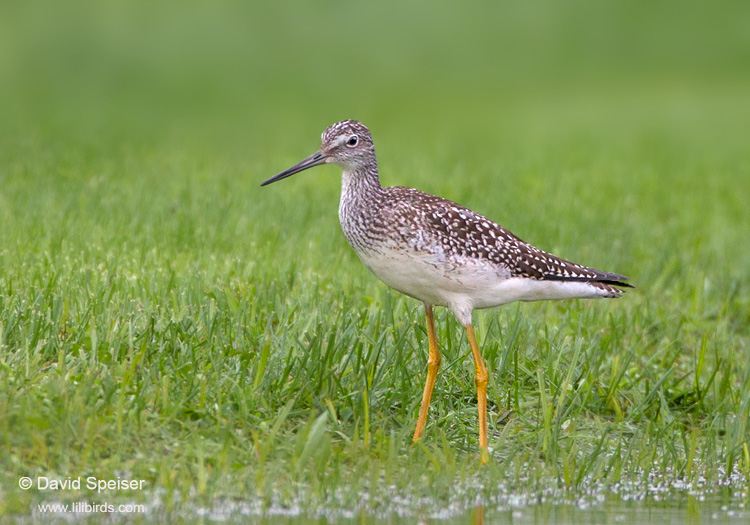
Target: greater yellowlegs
[441, 253]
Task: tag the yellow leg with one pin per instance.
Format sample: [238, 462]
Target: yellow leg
[481, 382]
[433, 364]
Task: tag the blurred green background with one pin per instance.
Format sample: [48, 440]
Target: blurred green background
[469, 76]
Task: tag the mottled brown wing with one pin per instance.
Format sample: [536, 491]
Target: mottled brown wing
[465, 233]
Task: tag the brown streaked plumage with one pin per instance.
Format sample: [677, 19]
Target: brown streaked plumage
[442, 253]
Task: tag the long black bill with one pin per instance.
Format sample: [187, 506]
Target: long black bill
[316, 159]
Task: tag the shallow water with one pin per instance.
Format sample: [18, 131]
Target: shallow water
[660, 498]
[611, 511]
[664, 505]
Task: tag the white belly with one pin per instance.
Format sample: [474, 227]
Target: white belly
[425, 278]
[466, 284]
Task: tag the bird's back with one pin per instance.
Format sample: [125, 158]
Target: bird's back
[413, 238]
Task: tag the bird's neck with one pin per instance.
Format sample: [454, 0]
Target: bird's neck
[360, 183]
[361, 200]
[361, 196]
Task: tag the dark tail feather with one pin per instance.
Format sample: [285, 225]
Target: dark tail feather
[615, 283]
[612, 283]
[610, 279]
[613, 290]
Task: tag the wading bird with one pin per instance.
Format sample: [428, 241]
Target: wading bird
[441, 253]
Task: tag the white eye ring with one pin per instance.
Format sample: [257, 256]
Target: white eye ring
[353, 141]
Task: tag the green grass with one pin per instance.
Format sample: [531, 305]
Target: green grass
[164, 318]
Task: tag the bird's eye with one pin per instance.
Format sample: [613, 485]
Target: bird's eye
[353, 140]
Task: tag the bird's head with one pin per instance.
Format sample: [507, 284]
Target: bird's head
[348, 144]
